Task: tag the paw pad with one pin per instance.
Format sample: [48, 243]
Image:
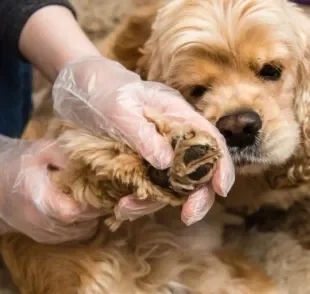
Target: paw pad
[195, 153]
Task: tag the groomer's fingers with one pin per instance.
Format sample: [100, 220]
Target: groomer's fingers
[198, 205]
[56, 233]
[128, 118]
[130, 208]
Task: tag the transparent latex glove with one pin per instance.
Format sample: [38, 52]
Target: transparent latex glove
[101, 95]
[30, 204]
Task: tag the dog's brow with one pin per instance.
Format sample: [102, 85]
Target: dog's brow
[219, 55]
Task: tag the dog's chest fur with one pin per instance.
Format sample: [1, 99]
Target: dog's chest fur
[276, 230]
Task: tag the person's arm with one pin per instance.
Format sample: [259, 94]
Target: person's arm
[44, 32]
[65, 42]
[15, 14]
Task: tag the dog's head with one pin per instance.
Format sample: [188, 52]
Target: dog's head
[243, 64]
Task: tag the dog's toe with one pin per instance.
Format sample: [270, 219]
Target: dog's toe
[201, 172]
[194, 153]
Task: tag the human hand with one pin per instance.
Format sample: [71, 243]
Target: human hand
[101, 95]
[30, 204]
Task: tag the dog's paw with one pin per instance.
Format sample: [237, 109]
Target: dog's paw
[196, 157]
[102, 170]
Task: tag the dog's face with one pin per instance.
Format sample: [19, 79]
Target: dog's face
[238, 62]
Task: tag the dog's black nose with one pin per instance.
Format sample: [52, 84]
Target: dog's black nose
[240, 128]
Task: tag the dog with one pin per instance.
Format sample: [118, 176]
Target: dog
[244, 65]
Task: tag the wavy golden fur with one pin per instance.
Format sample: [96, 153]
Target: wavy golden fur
[255, 241]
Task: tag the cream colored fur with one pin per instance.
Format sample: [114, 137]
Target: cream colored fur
[221, 44]
[215, 42]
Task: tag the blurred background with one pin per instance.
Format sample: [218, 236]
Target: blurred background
[97, 18]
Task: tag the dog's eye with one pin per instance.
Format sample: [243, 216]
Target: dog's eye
[270, 72]
[198, 91]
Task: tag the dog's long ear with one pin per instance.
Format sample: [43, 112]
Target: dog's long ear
[302, 102]
[126, 42]
[297, 171]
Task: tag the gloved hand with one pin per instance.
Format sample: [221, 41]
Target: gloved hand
[101, 95]
[29, 203]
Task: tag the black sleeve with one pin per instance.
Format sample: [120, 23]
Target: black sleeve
[13, 16]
